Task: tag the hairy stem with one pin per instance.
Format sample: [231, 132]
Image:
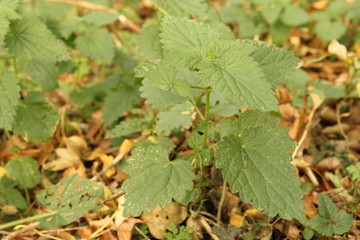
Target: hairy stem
[25, 220]
[207, 106]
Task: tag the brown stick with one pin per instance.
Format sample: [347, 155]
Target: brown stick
[29, 227]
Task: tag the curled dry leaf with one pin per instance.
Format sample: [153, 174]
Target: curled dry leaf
[328, 114]
[159, 219]
[119, 218]
[69, 156]
[338, 49]
[335, 129]
[125, 230]
[79, 169]
[320, 5]
[310, 209]
[106, 160]
[329, 164]
[2, 171]
[65, 236]
[9, 210]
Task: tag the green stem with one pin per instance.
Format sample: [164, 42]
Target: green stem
[160, 9]
[25, 220]
[197, 109]
[201, 88]
[207, 107]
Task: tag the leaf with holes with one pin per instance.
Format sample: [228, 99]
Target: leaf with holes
[69, 200]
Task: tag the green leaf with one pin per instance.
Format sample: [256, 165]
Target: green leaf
[297, 86]
[10, 4]
[354, 170]
[149, 41]
[96, 43]
[4, 25]
[10, 196]
[128, 127]
[255, 159]
[24, 171]
[229, 70]
[42, 72]
[164, 76]
[330, 221]
[118, 102]
[69, 199]
[184, 39]
[154, 180]
[36, 119]
[158, 97]
[195, 140]
[308, 234]
[30, 38]
[177, 116]
[100, 18]
[294, 16]
[278, 64]
[223, 106]
[9, 98]
[338, 29]
[279, 32]
[271, 11]
[183, 8]
[8, 10]
[202, 157]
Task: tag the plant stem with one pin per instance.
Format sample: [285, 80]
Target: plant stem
[25, 220]
[207, 106]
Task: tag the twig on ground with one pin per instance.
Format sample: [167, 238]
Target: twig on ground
[16, 233]
[207, 228]
[299, 162]
[221, 202]
[338, 120]
[141, 233]
[113, 197]
[112, 164]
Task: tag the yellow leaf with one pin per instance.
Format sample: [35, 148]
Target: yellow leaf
[106, 160]
[2, 172]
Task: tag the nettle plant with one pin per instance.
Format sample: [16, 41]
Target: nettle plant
[277, 17]
[201, 70]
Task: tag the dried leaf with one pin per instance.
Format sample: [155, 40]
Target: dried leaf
[338, 49]
[125, 230]
[106, 160]
[119, 218]
[2, 171]
[159, 219]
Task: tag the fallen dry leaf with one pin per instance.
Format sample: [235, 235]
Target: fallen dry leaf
[329, 164]
[119, 218]
[65, 236]
[159, 219]
[2, 171]
[69, 156]
[125, 230]
[235, 219]
[79, 169]
[310, 209]
[338, 49]
[106, 160]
